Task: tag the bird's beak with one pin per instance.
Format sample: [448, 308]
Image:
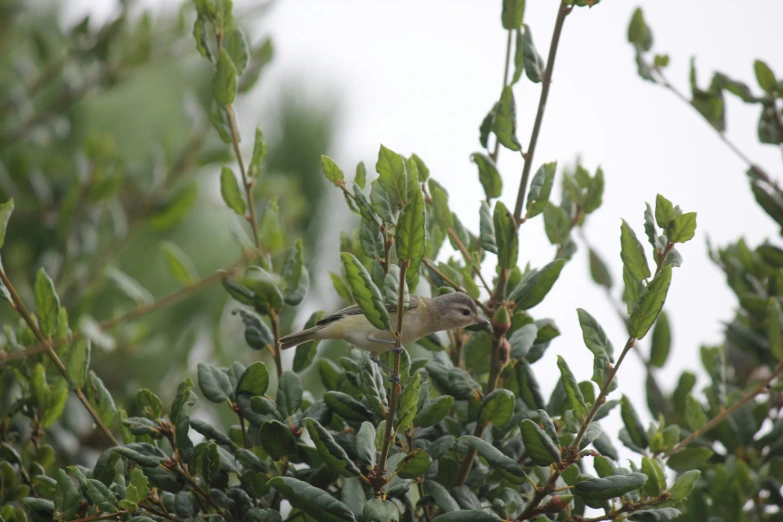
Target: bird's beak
[484, 321]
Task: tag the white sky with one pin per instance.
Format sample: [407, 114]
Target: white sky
[420, 76]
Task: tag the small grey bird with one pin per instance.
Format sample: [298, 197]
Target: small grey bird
[423, 317]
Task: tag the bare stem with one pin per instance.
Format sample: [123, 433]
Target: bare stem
[47, 343]
[760, 388]
[389, 433]
[247, 183]
[133, 314]
[276, 333]
[547, 80]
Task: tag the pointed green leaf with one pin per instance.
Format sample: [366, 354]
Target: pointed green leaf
[138, 487]
[506, 466]
[556, 224]
[535, 286]
[314, 501]
[540, 189]
[77, 363]
[364, 292]
[487, 229]
[257, 334]
[270, 233]
[332, 172]
[682, 228]
[332, 454]
[5, 214]
[650, 303]
[506, 237]
[254, 380]
[512, 14]
[229, 189]
[656, 480]
[632, 423]
[600, 489]
[505, 123]
[236, 46]
[632, 253]
[573, 392]
[224, 83]
[534, 64]
[180, 265]
[414, 464]
[47, 304]
[289, 394]
[684, 484]
[214, 384]
[594, 336]
[410, 236]
[434, 412]
[67, 500]
[365, 444]
[496, 408]
[488, 175]
[638, 32]
[661, 341]
[764, 76]
[256, 165]
[538, 445]
[295, 275]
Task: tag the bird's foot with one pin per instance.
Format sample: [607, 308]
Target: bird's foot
[394, 379]
[376, 340]
[374, 358]
[396, 350]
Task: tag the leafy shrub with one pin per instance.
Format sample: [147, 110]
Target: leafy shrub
[462, 432]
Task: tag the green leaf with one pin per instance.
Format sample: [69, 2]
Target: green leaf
[138, 487]
[656, 480]
[639, 33]
[236, 45]
[101, 400]
[434, 412]
[229, 189]
[67, 500]
[361, 174]
[689, 458]
[256, 164]
[277, 439]
[505, 123]
[364, 292]
[414, 464]
[529, 390]
[100, 495]
[534, 64]
[506, 237]
[664, 211]
[295, 275]
[487, 228]
[655, 515]
[332, 172]
[506, 466]
[497, 408]
[599, 489]
[305, 352]
[682, 228]
[488, 175]
[694, 413]
[224, 83]
[180, 265]
[410, 237]
[774, 327]
[270, 233]
[764, 76]
[684, 484]
[468, 515]
[149, 404]
[214, 383]
[347, 407]
[519, 56]
[129, 286]
[594, 336]
[538, 445]
[535, 286]
[661, 341]
[289, 394]
[632, 253]
[409, 401]
[365, 444]
[254, 380]
[540, 189]
[632, 423]
[332, 454]
[441, 496]
[47, 304]
[55, 405]
[314, 501]
[598, 270]
[5, 214]
[556, 224]
[650, 303]
[573, 392]
[512, 14]
[38, 386]
[377, 510]
[139, 458]
[486, 125]
[257, 334]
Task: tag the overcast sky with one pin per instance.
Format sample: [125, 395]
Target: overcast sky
[419, 76]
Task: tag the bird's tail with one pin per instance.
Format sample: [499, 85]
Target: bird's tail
[294, 339]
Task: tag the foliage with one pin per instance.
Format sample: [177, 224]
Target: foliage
[462, 434]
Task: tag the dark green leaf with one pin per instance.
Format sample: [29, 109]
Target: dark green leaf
[506, 466]
[377, 510]
[289, 394]
[67, 499]
[214, 383]
[598, 270]
[305, 352]
[434, 412]
[488, 175]
[365, 444]
[277, 439]
[594, 336]
[661, 341]
[599, 489]
[556, 224]
[535, 286]
[487, 228]
[538, 445]
[694, 413]
[540, 189]
[224, 83]
[229, 189]
[534, 64]
[254, 380]
[505, 123]
[650, 304]
[470, 515]
[632, 423]
[47, 304]
[101, 496]
[410, 237]
[347, 407]
[496, 408]
[414, 464]
[312, 500]
[332, 454]
[441, 496]
[295, 275]
[573, 392]
[632, 253]
[506, 237]
[519, 56]
[270, 232]
[101, 400]
[764, 76]
[149, 404]
[689, 458]
[364, 292]
[486, 126]
[257, 334]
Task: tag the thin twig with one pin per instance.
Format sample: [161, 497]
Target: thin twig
[390, 433]
[20, 307]
[547, 80]
[275, 320]
[247, 183]
[133, 314]
[762, 387]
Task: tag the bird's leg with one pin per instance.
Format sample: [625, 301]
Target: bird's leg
[394, 379]
[376, 340]
[374, 358]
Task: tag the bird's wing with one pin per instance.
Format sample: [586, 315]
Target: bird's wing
[355, 310]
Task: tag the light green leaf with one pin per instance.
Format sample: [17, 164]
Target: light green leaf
[512, 14]
[682, 228]
[556, 224]
[487, 229]
[764, 76]
[138, 487]
[506, 237]
[270, 233]
[414, 464]
[361, 175]
[77, 363]
[661, 341]
[254, 380]
[684, 484]
[256, 165]
[410, 236]
[496, 408]
[434, 412]
[364, 292]
[540, 189]
[229, 189]
[5, 214]
[332, 172]
[236, 45]
[47, 304]
[224, 83]
[656, 480]
[638, 32]
[650, 303]
[632, 253]
[180, 265]
[573, 392]
[488, 175]
[100, 399]
[694, 413]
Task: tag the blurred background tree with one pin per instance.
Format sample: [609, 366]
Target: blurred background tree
[107, 149]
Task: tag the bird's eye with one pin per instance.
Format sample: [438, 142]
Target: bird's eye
[465, 311]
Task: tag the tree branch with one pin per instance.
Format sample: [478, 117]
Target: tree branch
[246, 183]
[547, 80]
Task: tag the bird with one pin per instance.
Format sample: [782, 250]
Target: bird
[424, 316]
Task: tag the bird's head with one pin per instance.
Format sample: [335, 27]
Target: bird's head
[456, 310]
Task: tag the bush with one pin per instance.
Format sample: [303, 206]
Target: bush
[458, 429]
